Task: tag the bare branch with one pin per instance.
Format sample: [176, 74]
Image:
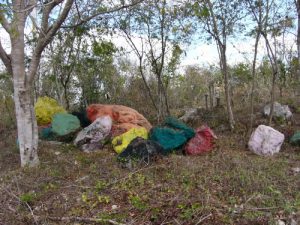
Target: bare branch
[6, 59]
[35, 24]
[54, 28]
[84, 219]
[84, 20]
[51, 31]
[46, 12]
[4, 22]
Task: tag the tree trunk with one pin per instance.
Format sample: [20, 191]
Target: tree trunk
[26, 122]
[227, 87]
[272, 97]
[253, 82]
[298, 46]
[162, 111]
[211, 94]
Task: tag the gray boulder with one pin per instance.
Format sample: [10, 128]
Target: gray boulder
[93, 136]
[279, 110]
[190, 115]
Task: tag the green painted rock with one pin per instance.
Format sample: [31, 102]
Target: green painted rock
[65, 125]
[172, 135]
[295, 139]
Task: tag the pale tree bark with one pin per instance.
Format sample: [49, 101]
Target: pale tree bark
[26, 122]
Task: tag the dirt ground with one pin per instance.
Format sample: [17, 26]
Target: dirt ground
[229, 185]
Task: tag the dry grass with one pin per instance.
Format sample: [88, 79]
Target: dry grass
[227, 186]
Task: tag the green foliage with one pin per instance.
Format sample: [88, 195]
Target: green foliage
[137, 202]
[174, 61]
[103, 199]
[241, 73]
[81, 30]
[188, 211]
[104, 49]
[28, 197]
[100, 185]
[200, 11]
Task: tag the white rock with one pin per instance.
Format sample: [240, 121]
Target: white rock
[280, 222]
[265, 140]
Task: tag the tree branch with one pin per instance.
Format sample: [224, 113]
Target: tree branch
[4, 22]
[54, 28]
[84, 220]
[6, 59]
[84, 20]
[45, 39]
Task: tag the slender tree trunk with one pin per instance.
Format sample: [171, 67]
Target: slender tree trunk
[211, 95]
[298, 41]
[66, 97]
[274, 64]
[272, 97]
[146, 84]
[162, 102]
[227, 87]
[253, 82]
[297, 91]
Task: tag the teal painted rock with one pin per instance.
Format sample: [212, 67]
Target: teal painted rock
[295, 139]
[64, 124]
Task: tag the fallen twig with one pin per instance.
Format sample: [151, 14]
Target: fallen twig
[177, 221]
[84, 219]
[204, 218]
[261, 209]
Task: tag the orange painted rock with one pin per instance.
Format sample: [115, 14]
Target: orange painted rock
[124, 118]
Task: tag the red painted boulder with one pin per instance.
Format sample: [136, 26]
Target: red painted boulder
[202, 142]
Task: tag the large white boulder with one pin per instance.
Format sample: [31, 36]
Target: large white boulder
[265, 141]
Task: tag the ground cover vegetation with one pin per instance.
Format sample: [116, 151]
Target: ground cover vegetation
[71, 51]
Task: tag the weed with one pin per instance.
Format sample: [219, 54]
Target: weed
[83, 159]
[55, 172]
[103, 199]
[251, 215]
[101, 185]
[140, 178]
[84, 197]
[28, 197]
[49, 186]
[188, 211]
[137, 202]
